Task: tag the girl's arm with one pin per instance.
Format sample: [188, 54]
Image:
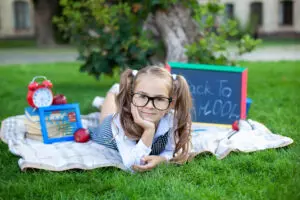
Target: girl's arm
[150, 162]
[130, 151]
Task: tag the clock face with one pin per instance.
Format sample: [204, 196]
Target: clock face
[42, 97]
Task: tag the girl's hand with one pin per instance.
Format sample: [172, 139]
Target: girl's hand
[146, 125]
[150, 163]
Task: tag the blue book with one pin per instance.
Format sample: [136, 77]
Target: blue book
[32, 114]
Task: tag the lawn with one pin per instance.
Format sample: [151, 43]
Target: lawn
[30, 46]
[279, 42]
[17, 43]
[273, 43]
[268, 174]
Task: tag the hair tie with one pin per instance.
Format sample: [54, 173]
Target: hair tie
[134, 72]
[174, 77]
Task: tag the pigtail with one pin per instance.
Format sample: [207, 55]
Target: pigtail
[182, 115]
[123, 102]
[123, 96]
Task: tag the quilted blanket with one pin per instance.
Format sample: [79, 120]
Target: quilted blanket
[253, 136]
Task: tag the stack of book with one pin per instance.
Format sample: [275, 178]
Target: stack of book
[56, 124]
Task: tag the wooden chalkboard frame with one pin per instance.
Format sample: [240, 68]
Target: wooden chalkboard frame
[220, 68]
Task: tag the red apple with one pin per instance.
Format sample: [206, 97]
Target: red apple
[82, 135]
[59, 99]
[235, 125]
[168, 67]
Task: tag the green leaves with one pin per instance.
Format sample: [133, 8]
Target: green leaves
[247, 44]
[217, 30]
[107, 35]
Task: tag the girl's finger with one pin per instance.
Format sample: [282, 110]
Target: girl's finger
[138, 168]
[147, 158]
[132, 111]
[135, 168]
[142, 167]
[135, 114]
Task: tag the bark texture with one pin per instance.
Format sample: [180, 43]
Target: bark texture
[44, 11]
[176, 28]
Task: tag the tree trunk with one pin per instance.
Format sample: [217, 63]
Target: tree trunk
[44, 11]
[176, 28]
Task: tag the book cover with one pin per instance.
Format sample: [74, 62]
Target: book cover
[32, 114]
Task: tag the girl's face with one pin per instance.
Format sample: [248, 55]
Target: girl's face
[152, 86]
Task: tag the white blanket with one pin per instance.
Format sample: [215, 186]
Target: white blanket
[69, 155]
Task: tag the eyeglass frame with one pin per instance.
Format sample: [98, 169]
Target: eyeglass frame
[170, 99]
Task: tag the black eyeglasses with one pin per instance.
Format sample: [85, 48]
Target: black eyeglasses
[160, 103]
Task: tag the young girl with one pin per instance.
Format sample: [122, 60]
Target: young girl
[148, 120]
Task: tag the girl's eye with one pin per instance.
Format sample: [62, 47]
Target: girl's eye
[142, 96]
[160, 99]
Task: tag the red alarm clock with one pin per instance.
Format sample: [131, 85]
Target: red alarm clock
[40, 94]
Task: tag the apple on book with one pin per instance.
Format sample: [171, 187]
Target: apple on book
[59, 99]
[82, 135]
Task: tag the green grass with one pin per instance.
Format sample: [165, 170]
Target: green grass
[39, 51]
[268, 174]
[273, 43]
[279, 42]
[17, 43]
[29, 46]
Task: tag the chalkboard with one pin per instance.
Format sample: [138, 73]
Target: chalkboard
[219, 92]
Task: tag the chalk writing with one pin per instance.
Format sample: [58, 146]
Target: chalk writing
[224, 91]
[204, 89]
[218, 107]
[216, 94]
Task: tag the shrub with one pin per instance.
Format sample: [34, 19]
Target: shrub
[110, 34]
[214, 47]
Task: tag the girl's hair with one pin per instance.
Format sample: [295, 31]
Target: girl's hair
[182, 105]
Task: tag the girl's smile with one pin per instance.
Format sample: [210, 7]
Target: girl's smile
[147, 113]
